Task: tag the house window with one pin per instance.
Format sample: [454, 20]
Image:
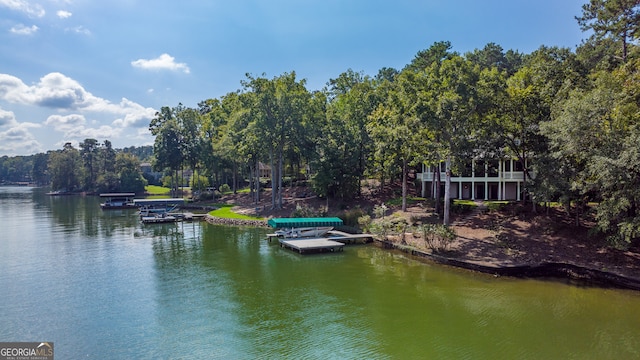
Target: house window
[519, 166]
[479, 168]
[507, 165]
[467, 170]
[492, 168]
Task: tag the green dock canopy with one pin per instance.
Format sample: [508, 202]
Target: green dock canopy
[303, 222]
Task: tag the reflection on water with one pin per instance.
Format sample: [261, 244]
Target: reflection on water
[101, 285]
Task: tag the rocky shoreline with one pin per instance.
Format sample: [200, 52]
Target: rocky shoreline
[234, 222]
[573, 274]
[570, 273]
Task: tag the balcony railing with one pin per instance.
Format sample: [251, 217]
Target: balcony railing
[508, 175]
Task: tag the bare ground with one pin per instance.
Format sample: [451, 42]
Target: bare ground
[506, 238]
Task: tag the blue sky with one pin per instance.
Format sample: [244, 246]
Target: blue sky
[77, 69]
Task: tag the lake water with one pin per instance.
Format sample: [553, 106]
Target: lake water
[100, 285]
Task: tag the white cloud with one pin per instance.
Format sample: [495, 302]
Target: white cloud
[79, 30]
[32, 10]
[19, 140]
[65, 123]
[73, 127]
[7, 118]
[102, 132]
[60, 92]
[163, 62]
[63, 14]
[21, 29]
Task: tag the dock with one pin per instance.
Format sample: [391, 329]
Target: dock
[312, 245]
[334, 242]
[339, 236]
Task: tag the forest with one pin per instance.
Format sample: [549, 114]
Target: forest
[570, 115]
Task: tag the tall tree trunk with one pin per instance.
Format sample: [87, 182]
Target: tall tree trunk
[280, 176]
[251, 180]
[438, 185]
[447, 191]
[404, 184]
[235, 177]
[257, 181]
[273, 180]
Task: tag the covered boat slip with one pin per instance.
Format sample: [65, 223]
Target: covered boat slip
[289, 223]
[117, 200]
[154, 211]
[333, 241]
[158, 202]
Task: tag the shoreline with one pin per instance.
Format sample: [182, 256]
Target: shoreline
[572, 274]
[569, 273]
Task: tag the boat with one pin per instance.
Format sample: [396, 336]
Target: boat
[296, 228]
[303, 232]
[118, 201]
[159, 218]
[152, 207]
[58, 193]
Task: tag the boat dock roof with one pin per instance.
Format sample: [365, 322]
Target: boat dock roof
[142, 202]
[117, 195]
[279, 223]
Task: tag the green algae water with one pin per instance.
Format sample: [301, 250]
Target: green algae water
[100, 285]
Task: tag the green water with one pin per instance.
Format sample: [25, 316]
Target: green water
[100, 285]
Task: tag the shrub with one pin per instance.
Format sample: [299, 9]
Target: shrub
[224, 188]
[351, 217]
[364, 222]
[437, 237]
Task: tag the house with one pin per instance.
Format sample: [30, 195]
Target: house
[495, 179]
[264, 170]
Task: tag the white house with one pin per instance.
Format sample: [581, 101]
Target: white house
[480, 180]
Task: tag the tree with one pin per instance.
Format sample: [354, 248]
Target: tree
[168, 143]
[130, 177]
[281, 105]
[352, 98]
[89, 152]
[65, 167]
[39, 172]
[452, 101]
[395, 127]
[619, 19]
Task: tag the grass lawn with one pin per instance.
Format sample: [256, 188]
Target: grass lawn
[225, 212]
[398, 201]
[157, 190]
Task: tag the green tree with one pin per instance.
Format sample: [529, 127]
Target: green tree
[281, 105]
[619, 19]
[89, 149]
[345, 144]
[39, 172]
[65, 168]
[167, 146]
[129, 174]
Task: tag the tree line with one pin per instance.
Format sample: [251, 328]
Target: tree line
[569, 116]
[94, 167]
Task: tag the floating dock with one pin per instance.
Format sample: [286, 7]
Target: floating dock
[312, 245]
[335, 241]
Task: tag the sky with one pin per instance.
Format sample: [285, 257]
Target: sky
[77, 69]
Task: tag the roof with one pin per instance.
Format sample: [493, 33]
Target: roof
[158, 201]
[279, 223]
[117, 195]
